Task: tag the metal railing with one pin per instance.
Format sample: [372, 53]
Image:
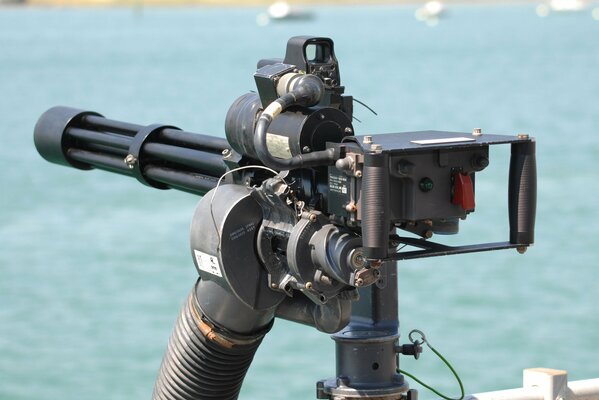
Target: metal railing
[545, 384]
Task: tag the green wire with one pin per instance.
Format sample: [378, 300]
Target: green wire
[429, 387]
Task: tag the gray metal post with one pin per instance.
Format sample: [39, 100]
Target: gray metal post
[366, 357]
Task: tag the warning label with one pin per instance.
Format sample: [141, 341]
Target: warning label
[208, 263]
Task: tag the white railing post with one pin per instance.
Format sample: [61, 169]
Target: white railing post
[552, 383]
[545, 384]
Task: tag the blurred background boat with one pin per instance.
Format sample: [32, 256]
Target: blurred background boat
[283, 11]
[561, 6]
[430, 12]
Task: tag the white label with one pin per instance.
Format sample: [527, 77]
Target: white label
[337, 184]
[445, 140]
[208, 263]
[278, 145]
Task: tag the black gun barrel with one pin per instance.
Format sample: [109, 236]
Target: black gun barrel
[161, 156]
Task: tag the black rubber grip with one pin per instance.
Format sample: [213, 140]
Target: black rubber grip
[375, 207]
[522, 193]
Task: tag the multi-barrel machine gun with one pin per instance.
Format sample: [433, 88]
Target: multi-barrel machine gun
[299, 219]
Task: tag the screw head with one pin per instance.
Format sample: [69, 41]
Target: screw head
[348, 130]
[309, 285]
[357, 260]
[130, 160]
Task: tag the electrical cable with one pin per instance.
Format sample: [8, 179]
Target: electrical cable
[447, 363]
[275, 173]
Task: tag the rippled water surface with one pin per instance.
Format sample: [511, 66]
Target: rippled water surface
[94, 267]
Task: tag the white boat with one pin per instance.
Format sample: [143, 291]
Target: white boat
[560, 6]
[430, 12]
[282, 11]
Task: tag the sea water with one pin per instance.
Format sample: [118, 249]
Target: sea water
[94, 266]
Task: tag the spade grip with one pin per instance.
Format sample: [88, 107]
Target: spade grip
[522, 192]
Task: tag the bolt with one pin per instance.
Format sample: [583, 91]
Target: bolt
[376, 147]
[351, 207]
[306, 149]
[226, 153]
[367, 139]
[312, 217]
[348, 130]
[130, 160]
[357, 260]
[274, 285]
[321, 116]
[521, 249]
[523, 136]
[358, 174]
[359, 282]
[428, 234]
[477, 132]
[308, 285]
[325, 279]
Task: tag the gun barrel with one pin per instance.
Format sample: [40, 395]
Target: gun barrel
[161, 156]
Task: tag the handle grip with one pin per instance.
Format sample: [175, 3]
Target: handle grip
[375, 206]
[522, 192]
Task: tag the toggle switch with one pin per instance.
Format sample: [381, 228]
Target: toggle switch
[463, 191]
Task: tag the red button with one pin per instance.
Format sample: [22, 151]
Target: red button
[463, 191]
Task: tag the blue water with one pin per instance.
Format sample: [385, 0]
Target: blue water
[94, 267]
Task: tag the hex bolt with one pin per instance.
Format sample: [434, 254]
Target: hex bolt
[477, 132]
[367, 139]
[226, 153]
[130, 160]
[376, 147]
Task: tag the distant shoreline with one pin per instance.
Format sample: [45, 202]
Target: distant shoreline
[241, 3]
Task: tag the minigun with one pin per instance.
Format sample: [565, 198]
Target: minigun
[299, 219]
